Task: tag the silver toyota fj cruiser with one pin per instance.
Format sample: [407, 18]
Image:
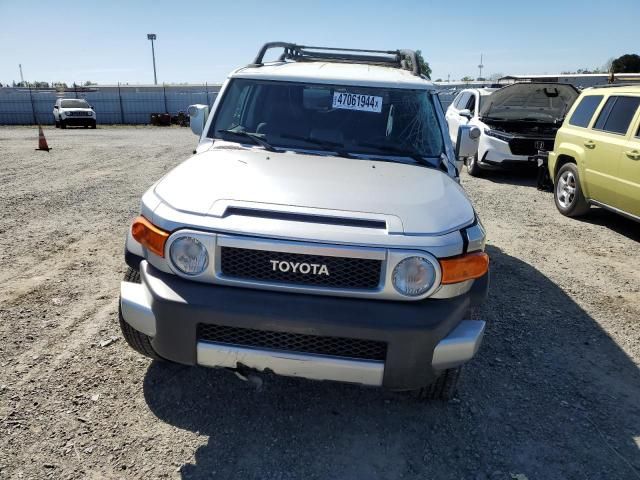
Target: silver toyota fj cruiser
[319, 230]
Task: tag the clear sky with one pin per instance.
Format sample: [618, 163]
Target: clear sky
[198, 41]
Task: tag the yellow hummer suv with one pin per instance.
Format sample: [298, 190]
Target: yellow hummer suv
[596, 156]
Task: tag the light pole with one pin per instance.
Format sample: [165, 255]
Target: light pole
[152, 37]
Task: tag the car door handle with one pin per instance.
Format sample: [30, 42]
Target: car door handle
[590, 144]
[633, 154]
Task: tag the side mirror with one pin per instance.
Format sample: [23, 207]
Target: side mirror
[197, 117]
[56, 106]
[466, 113]
[467, 142]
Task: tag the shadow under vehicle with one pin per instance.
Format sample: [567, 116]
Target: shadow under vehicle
[551, 395]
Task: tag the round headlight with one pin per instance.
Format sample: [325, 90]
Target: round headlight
[189, 255]
[414, 276]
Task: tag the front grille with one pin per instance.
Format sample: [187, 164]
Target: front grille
[78, 114]
[527, 146]
[293, 342]
[340, 272]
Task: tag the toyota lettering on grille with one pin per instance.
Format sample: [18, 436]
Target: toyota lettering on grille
[297, 267]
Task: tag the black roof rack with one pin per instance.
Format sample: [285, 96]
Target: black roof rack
[614, 85]
[404, 59]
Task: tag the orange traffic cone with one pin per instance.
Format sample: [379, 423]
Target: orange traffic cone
[42, 142]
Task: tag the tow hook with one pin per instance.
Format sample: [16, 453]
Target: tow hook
[249, 375]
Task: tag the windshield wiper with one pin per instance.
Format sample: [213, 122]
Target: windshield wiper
[333, 146]
[397, 151]
[254, 137]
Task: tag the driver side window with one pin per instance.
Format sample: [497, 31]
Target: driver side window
[236, 118]
[471, 104]
[462, 101]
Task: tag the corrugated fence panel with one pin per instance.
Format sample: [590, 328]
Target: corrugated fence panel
[124, 104]
[107, 106]
[127, 104]
[43, 103]
[176, 102]
[445, 100]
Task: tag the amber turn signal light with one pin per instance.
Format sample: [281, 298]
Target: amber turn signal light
[149, 236]
[464, 267]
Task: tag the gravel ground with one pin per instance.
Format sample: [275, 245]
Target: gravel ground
[554, 393]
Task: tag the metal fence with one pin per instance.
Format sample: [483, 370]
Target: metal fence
[446, 99]
[114, 104]
[117, 104]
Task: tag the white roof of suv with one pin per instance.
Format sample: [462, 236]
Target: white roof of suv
[333, 72]
[344, 66]
[484, 91]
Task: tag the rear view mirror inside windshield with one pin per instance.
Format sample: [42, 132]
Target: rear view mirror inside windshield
[314, 98]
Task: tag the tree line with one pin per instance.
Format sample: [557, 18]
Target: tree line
[628, 63]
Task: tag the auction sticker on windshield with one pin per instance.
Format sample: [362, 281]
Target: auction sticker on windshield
[357, 101]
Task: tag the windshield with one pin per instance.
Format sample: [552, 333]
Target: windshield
[74, 104]
[366, 120]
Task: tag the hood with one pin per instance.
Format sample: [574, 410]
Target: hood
[424, 200]
[529, 101]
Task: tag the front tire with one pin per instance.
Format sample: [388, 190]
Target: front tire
[93, 126]
[567, 193]
[62, 124]
[140, 342]
[473, 168]
[444, 387]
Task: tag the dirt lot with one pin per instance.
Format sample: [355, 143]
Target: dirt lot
[553, 394]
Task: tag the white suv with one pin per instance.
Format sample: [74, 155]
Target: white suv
[73, 112]
[516, 121]
[319, 230]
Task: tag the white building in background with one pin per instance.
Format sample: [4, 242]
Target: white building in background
[579, 80]
[448, 90]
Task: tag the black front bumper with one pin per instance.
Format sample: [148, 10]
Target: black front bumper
[411, 330]
[512, 165]
[79, 121]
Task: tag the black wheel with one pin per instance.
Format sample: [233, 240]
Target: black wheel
[57, 124]
[140, 342]
[443, 388]
[62, 124]
[132, 275]
[473, 168]
[93, 125]
[567, 193]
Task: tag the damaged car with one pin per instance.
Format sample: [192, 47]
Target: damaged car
[319, 230]
[517, 121]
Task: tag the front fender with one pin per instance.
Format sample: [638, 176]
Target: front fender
[567, 149]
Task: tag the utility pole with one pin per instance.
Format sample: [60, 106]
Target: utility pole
[480, 67]
[152, 37]
[21, 76]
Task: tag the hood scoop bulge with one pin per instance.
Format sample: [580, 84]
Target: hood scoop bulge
[307, 218]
